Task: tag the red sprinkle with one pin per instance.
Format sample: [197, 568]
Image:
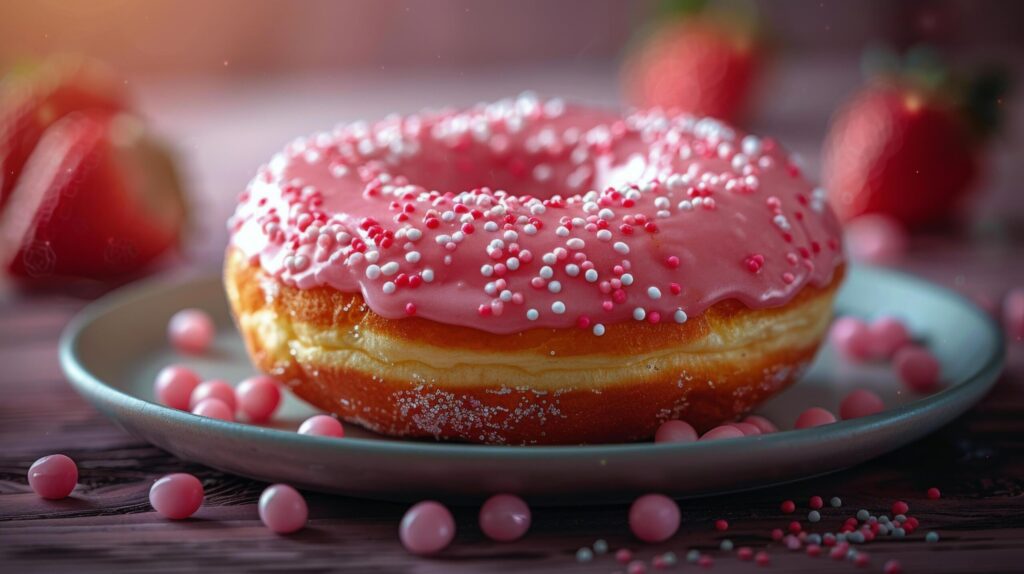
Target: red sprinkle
[892, 567]
[721, 525]
[745, 553]
[789, 507]
[795, 527]
[776, 534]
[672, 261]
[762, 558]
[816, 502]
[410, 309]
[813, 550]
[900, 507]
[934, 494]
[624, 555]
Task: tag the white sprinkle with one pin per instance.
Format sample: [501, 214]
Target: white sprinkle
[590, 275]
[627, 279]
[530, 229]
[685, 205]
[663, 214]
[621, 247]
[606, 213]
[512, 263]
[558, 307]
[662, 202]
[505, 295]
[373, 272]
[412, 256]
[598, 330]
[491, 226]
[427, 275]
[555, 287]
[532, 314]
[372, 256]
[389, 287]
[487, 270]
[654, 292]
[575, 243]
[547, 272]
[549, 258]
[562, 231]
[751, 145]
[572, 270]
[639, 313]
[680, 316]
[604, 235]
[389, 268]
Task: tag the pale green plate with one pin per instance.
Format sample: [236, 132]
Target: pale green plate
[113, 349]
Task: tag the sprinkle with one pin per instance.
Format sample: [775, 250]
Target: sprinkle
[558, 307]
[863, 514]
[726, 545]
[389, 287]
[584, 555]
[623, 555]
[621, 247]
[934, 494]
[590, 275]
[604, 235]
[835, 502]
[672, 261]
[555, 287]
[412, 256]
[532, 314]
[654, 292]
[600, 546]
[788, 507]
[598, 329]
[372, 271]
[900, 507]
[762, 558]
[627, 279]
[815, 503]
[721, 525]
[389, 268]
[931, 537]
[427, 275]
[639, 313]
[693, 556]
[814, 516]
[575, 243]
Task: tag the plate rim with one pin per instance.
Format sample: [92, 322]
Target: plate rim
[96, 390]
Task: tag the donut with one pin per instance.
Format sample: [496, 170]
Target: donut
[533, 271]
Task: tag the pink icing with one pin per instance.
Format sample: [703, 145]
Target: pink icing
[531, 213]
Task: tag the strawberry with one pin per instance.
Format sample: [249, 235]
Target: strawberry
[36, 98]
[97, 198]
[702, 64]
[907, 148]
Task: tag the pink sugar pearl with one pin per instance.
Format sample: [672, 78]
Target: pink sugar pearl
[215, 389]
[427, 528]
[258, 397]
[282, 509]
[877, 239]
[504, 517]
[322, 425]
[675, 431]
[860, 403]
[174, 386]
[886, 335]
[654, 517]
[766, 426]
[176, 496]
[214, 409]
[814, 417]
[917, 368]
[191, 331]
[53, 477]
[850, 335]
[1013, 314]
[748, 429]
[722, 432]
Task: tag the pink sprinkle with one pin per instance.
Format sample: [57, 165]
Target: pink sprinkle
[410, 309]
[722, 432]
[766, 426]
[918, 368]
[745, 553]
[705, 561]
[1013, 314]
[258, 397]
[777, 534]
[191, 331]
[654, 317]
[788, 507]
[900, 507]
[838, 551]
[934, 494]
[814, 417]
[850, 336]
[504, 517]
[795, 527]
[721, 525]
[792, 542]
[174, 386]
[672, 261]
[675, 431]
[624, 555]
[53, 477]
[815, 502]
[322, 425]
[636, 567]
[215, 389]
[214, 409]
[862, 560]
[813, 550]
[748, 429]
[886, 335]
[659, 563]
[176, 496]
[860, 403]
[877, 239]
[654, 517]
[892, 567]
[427, 528]
[282, 509]
[762, 558]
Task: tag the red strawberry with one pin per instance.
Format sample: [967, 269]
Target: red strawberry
[696, 65]
[33, 100]
[96, 199]
[908, 148]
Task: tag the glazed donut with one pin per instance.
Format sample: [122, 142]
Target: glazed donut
[533, 272]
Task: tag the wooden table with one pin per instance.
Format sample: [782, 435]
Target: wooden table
[108, 525]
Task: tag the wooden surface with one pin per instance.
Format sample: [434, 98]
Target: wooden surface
[108, 526]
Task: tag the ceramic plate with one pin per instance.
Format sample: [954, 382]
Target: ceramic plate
[112, 351]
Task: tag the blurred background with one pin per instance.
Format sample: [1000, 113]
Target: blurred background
[225, 84]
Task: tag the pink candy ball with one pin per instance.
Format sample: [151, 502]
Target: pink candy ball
[814, 417]
[214, 409]
[53, 476]
[877, 239]
[917, 368]
[191, 331]
[722, 432]
[258, 397]
[675, 431]
[654, 517]
[504, 517]
[860, 403]
[322, 425]
[766, 426]
[427, 528]
[887, 335]
[748, 429]
[1013, 314]
[215, 389]
[282, 509]
[850, 335]
[174, 386]
[176, 496]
